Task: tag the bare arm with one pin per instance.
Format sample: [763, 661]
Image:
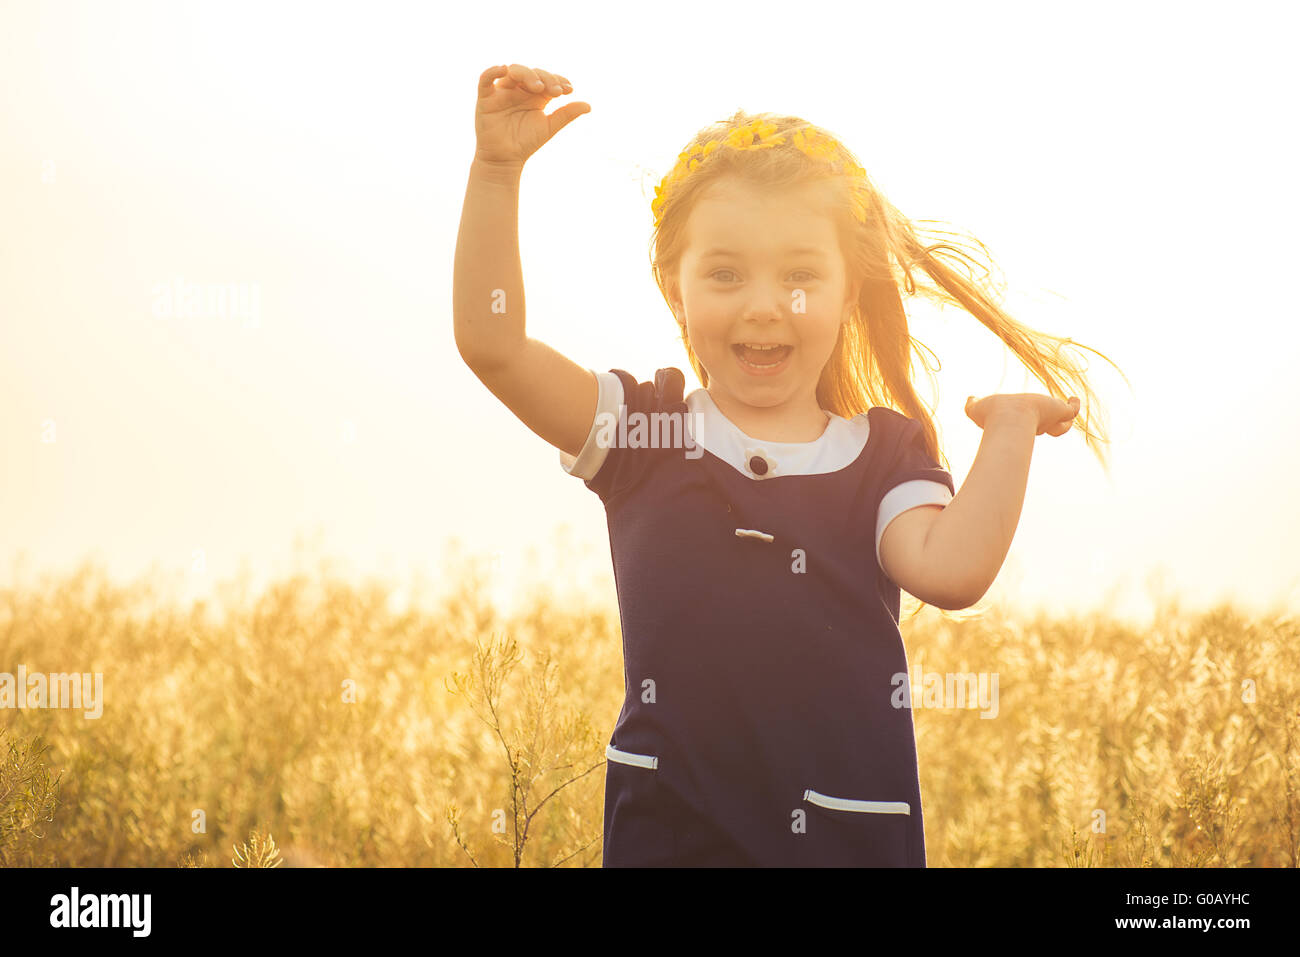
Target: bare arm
[949, 557]
[552, 395]
[969, 539]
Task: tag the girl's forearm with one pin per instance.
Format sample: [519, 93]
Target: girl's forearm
[488, 285]
[969, 541]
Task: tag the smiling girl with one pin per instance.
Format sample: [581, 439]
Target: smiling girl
[759, 582]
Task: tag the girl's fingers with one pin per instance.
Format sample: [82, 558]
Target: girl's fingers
[1063, 413]
[549, 85]
[552, 83]
[1067, 422]
[523, 77]
[487, 79]
[538, 82]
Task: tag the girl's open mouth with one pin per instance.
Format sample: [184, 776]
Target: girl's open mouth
[762, 360]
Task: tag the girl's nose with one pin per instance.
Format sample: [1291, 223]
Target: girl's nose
[768, 303]
[764, 310]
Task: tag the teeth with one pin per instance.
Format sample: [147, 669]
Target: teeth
[762, 348]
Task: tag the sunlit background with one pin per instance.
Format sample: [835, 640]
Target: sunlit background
[1130, 166]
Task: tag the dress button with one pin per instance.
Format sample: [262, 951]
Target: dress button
[759, 463]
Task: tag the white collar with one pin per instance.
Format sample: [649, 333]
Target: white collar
[836, 448]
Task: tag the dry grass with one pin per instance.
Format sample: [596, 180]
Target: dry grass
[362, 736]
[1151, 729]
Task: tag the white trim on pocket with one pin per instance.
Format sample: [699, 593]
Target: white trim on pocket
[627, 757]
[847, 804]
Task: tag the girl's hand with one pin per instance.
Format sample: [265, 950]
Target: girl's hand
[1048, 414]
[509, 121]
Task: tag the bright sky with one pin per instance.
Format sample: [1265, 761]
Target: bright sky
[1129, 166]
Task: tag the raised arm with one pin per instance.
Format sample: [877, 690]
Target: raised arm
[950, 557]
[551, 394]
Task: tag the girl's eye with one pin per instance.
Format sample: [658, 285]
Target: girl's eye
[715, 273]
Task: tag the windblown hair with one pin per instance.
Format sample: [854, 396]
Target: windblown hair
[872, 360]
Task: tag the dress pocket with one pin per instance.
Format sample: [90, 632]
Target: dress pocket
[629, 757]
[638, 829]
[851, 832]
[862, 807]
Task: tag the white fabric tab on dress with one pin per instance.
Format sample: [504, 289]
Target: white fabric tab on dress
[836, 448]
[609, 399]
[628, 757]
[848, 804]
[905, 496]
[753, 533]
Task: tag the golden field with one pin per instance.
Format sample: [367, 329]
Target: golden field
[317, 724]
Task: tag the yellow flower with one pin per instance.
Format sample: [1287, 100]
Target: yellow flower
[739, 138]
[762, 134]
[816, 145]
[757, 134]
[765, 134]
[860, 205]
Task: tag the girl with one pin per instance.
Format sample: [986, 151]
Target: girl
[761, 527]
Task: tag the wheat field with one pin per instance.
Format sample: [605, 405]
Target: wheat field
[314, 724]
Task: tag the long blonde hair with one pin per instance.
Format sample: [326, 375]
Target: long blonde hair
[872, 360]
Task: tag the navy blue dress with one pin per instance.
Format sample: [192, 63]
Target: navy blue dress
[762, 723]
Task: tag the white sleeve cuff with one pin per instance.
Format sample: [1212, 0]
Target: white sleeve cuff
[609, 400]
[904, 496]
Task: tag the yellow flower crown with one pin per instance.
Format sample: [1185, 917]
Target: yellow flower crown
[758, 135]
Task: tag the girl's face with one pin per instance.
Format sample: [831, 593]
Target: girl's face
[763, 290]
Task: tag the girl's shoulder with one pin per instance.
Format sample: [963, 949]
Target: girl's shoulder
[630, 416]
[900, 445]
[664, 393]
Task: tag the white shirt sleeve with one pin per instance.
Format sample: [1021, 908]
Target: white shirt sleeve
[904, 496]
[609, 400]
